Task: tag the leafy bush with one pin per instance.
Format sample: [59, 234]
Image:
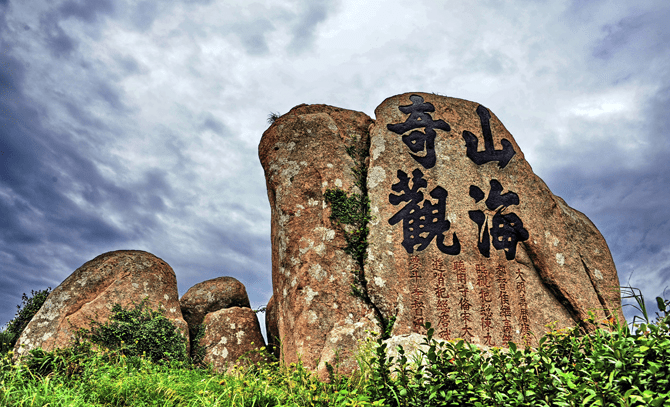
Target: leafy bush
[26, 311]
[7, 341]
[611, 366]
[138, 331]
[68, 361]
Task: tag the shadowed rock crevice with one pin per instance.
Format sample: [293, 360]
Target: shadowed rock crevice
[601, 298]
[351, 211]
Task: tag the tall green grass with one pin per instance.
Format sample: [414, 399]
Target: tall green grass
[614, 366]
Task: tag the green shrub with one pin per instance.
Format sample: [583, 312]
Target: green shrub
[611, 366]
[7, 341]
[26, 310]
[138, 331]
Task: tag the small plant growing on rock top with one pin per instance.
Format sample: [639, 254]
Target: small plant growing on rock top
[138, 331]
[273, 116]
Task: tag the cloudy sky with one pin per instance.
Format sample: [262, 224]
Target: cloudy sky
[135, 124]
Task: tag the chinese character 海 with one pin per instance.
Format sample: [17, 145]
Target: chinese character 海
[421, 224]
[506, 229]
[490, 153]
[416, 140]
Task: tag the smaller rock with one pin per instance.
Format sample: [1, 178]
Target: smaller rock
[272, 328]
[210, 296]
[229, 334]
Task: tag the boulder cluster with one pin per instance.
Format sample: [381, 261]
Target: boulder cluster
[127, 277]
[429, 213]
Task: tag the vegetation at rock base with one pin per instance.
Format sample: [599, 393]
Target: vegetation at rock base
[137, 331]
[352, 212]
[25, 312]
[615, 366]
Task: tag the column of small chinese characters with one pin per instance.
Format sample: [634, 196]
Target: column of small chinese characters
[464, 303]
[442, 296]
[525, 324]
[484, 283]
[505, 310]
[417, 303]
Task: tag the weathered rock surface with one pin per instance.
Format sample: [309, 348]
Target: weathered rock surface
[124, 277]
[466, 236]
[271, 328]
[229, 334]
[304, 154]
[463, 234]
[210, 296]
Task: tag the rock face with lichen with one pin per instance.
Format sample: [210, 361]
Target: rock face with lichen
[462, 234]
[304, 154]
[124, 277]
[230, 334]
[210, 296]
[466, 236]
[231, 329]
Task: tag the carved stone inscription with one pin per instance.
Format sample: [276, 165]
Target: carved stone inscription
[424, 220]
[465, 236]
[479, 298]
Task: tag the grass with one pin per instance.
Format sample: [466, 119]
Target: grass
[614, 366]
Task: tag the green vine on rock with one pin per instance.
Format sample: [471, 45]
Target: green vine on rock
[352, 213]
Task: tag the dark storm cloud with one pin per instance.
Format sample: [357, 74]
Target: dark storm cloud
[143, 15]
[214, 125]
[628, 205]
[109, 95]
[59, 43]
[52, 194]
[87, 10]
[245, 250]
[313, 12]
[253, 35]
[129, 65]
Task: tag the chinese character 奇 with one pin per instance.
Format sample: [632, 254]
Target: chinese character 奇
[416, 140]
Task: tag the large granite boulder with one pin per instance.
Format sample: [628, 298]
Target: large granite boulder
[304, 154]
[466, 236]
[231, 333]
[121, 277]
[210, 296]
[463, 234]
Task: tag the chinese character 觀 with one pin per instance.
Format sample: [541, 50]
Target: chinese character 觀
[421, 223]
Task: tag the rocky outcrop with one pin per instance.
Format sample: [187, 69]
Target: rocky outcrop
[124, 277]
[231, 333]
[462, 234]
[231, 329]
[210, 296]
[466, 236]
[304, 154]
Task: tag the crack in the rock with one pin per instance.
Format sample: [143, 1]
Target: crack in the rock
[354, 210]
